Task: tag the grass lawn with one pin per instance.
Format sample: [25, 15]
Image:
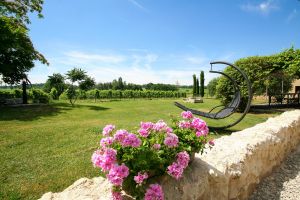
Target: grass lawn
[46, 148]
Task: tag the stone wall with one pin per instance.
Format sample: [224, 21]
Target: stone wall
[230, 170]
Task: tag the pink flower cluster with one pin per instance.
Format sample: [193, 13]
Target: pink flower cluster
[116, 195]
[171, 140]
[154, 192]
[104, 158]
[156, 146]
[152, 134]
[183, 159]
[108, 129]
[187, 115]
[117, 174]
[105, 142]
[127, 139]
[199, 125]
[176, 168]
[140, 178]
[147, 127]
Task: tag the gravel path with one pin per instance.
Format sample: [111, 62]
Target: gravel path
[283, 183]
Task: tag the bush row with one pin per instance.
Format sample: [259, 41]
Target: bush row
[126, 94]
[36, 95]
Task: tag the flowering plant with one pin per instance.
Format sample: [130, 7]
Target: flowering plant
[131, 160]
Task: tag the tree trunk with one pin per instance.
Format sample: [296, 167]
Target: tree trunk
[24, 92]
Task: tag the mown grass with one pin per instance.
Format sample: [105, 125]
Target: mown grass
[46, 148]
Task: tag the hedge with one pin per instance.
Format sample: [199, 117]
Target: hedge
[125, 94]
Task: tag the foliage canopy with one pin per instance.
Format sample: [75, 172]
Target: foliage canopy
[266, 74]
[17, 53]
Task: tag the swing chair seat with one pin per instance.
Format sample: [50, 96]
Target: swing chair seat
[223, 113]
[230, 108]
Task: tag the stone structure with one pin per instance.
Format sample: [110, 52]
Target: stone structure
[295, 86]
[230, 170]
[194, 100]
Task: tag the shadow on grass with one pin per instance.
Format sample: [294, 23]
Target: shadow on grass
[33, 112]
[222, 132]
[268, 111]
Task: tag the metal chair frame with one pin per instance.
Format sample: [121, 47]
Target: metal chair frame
[232, 106]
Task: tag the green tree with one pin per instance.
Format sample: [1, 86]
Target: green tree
[76, 75]
[120, 84]
[202, 84]
[54, 94]
[197, 87]
[87, 83]
[17, 53]
[263, 72]
[19, 9]
[194, 85]
[212, 87]
[56, 81]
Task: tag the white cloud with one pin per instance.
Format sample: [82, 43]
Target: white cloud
[133, 67]
[195, 60]
[138, 5]
[264, 7]
[291, 16]
[142, 75]
[82, 56]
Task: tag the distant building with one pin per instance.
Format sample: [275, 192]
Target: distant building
[296, 86]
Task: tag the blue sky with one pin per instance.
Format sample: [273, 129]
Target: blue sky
[159, 41]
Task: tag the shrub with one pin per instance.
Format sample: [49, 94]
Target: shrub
[18, 93]
[54, 94]
[212, 87]
[132, 160]
[39, 96]
[6, 94]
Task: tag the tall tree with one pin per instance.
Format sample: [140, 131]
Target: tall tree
[120, 84]
[212, 86]
[19, 9]
[202, 84]
[56, 81]
[197, 87]
[76, 75]
[17, 54]
[87, 83]
[194, 85]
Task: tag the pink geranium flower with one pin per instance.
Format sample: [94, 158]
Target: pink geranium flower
[156, 146]
[183, 159]
[117, 174]
[116, 196]
[159, 126]
[104, 159]
[187, 115]
[104, 142]
[184, 124]
[108, 129]
[171, 140]
[140, 178]
[154, 192]
[175, 170]
[120, 135]
[131, 140]
[144, 132]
